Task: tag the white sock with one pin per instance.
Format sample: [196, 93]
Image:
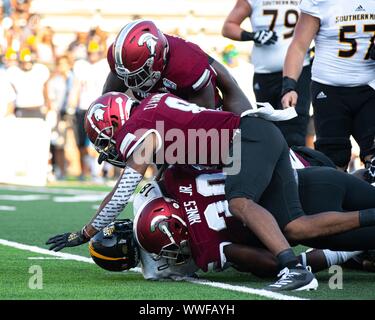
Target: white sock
[339, 257]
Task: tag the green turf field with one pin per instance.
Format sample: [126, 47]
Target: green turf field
[31, 215]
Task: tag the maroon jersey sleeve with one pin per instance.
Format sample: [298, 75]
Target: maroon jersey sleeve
[188, 67]
[210, 224]
[110, 59]
[175, 121]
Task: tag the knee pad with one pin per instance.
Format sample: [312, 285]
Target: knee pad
[337, 149]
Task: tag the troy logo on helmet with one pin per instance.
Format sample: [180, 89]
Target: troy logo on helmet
[98, 112]
[150, 41]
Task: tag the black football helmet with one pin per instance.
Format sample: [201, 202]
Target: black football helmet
[114, 248]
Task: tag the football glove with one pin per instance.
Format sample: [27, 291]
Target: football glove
[265, 37]
[369, 174]
[69, 239]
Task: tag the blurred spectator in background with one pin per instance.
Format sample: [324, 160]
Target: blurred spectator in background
[7, 94]
[32, 31]
[45, 48]
[59, 88]
[10, 58]
[5, 24]
[78, 48]
[21, 11]
[7, 7]
[29, 81]
[97, 35]
[90, 77]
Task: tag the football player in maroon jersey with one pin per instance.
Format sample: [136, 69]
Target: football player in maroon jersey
[145, 60]
[182, 223]
[262, 192]
[200, 220]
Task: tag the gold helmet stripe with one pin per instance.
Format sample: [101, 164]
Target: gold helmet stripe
[100, 256]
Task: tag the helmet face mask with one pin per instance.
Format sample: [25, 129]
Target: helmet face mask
[174, 253]
[106, 148]
[142, 79]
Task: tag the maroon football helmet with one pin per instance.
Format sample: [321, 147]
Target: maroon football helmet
[104, 117]
[140, 54]
[160, 229]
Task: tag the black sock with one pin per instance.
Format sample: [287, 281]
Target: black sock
[287, 258]
[367, 217]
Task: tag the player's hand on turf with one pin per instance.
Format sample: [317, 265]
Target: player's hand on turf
[69, 239]
[265, 37]
[289, 99]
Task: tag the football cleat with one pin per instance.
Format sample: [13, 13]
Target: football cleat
[294, 279]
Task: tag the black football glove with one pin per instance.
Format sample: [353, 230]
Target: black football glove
[70, 239]
[265, 37]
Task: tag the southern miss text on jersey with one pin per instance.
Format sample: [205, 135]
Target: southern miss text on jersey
[343, 42]
[278, 16]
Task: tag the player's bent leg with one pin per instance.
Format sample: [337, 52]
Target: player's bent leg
[320, 225]
[337, 149]
[293, 276]
[260, 222]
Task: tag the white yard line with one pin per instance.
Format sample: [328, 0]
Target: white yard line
[225, 286]
[7, 208]
[51, 190]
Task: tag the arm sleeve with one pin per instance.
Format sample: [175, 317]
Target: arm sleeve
[311, 8]
[125, 187]
[202, 81]
[131, 141]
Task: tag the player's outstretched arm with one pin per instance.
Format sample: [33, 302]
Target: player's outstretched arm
[115, 202]
[305, 31]
[234, 99]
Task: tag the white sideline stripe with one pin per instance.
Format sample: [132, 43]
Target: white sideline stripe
[258, 292]
[35, 249]
[23, 198]
[51, 190]
[46, 258]
[225, 286]
[7, 208]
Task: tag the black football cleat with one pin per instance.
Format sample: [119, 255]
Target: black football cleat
[298, 278]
